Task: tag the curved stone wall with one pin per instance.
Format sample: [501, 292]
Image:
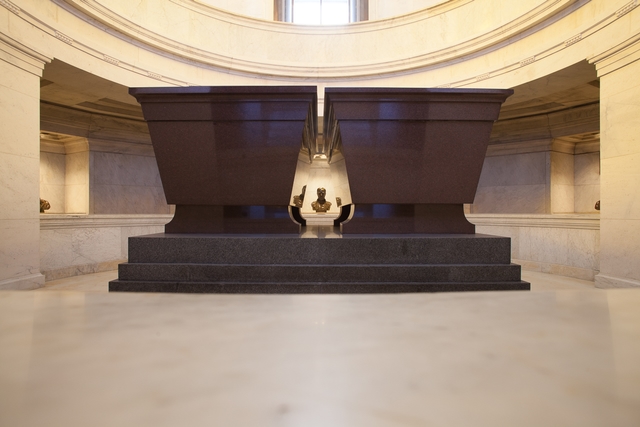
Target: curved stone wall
[481, 43]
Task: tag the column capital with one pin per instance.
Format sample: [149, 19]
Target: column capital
[617, 57]
[22, 56]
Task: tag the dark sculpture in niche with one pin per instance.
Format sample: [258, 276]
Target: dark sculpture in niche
[598, 205]
[44, 205]
[321, 205]
[297, 200]
[338, 201]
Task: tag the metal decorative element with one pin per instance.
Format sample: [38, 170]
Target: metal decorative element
[297, 200]
[338, 201]
[321, 205]
[44, 205]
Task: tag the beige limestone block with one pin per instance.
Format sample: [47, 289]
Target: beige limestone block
[19, 257]
[585, 198]
[52, 168]
[511, 199]
[587, 169]
[19, 187]
[68, 247]
[620, 179]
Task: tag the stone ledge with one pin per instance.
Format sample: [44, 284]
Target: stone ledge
[78, 270]
[69, 221]
[576, 221]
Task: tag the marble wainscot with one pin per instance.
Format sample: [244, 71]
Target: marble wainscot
[413, 155]
[227, 156]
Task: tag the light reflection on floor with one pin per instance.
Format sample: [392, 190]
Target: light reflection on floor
[564, 354]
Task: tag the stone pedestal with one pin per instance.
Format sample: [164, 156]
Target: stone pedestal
[289, 264]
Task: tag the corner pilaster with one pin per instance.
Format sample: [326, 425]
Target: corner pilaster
[21, 68]
[618, 70]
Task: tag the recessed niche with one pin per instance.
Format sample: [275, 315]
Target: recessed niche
[64, 173]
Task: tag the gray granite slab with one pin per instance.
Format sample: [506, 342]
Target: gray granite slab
[360, 249]
[319, 273]
[312, 288]
[290, 264]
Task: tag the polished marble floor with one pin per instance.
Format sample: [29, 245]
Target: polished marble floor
[564, 354]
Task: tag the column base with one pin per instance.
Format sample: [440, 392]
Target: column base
[607, 282]
[23, 283]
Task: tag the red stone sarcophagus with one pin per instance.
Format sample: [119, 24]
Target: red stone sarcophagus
[413, 156]
[227, 156]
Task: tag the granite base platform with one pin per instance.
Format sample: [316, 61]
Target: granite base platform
[283, 264]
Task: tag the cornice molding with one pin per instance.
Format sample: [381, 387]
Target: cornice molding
[556, 124]
[543, 15]
[70, 121]
[287, 27]
[617, 57]
[22, 56]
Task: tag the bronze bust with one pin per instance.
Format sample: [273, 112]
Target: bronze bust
[321, 205]
[297, 200]
[44, 205]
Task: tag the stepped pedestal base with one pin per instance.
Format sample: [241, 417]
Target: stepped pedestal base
[290, 264]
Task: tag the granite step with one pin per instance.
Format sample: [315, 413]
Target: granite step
[256, 273]
[360, 249]
[312, 288]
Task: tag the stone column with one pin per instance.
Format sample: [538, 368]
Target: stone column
[21, 69]
[618, 70]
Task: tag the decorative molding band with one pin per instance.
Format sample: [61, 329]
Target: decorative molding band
[575, 221]
[589, 31]
[582, 119]
[587, 147]
[529, 60]
[63, 222]
[573, 40]
[121, 147]
[83, 47]
[111, 60]
[287, 27]
[55, 147]
[617, 57]
[12, 7]
[544, 15]
[76, 145]
[64, 38]
[627, 8]
[22, 56]
[560, 146]
[484, 76]
[96, 14]
[70, 121]
[557, 145]
[522, 147]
